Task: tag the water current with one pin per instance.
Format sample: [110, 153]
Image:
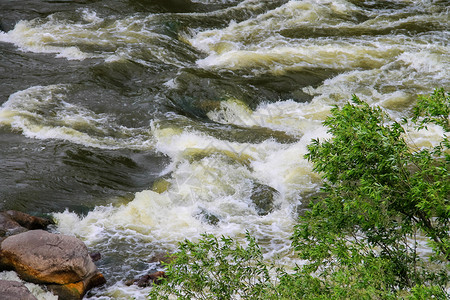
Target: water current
[139, 123]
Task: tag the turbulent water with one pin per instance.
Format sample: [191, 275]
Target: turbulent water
[138, 123]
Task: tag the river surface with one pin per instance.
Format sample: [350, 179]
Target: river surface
[138, 123]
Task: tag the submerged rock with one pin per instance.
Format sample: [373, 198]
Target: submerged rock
[263, 198]
[162, 257]
[196, 154]
[96, 256]
[160, 185]
[61, 262]
[208, 217]
[15, 290]
[148, 279]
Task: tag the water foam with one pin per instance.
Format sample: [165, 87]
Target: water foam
[32, 37]
[35, 289]
[380, 68]
[42, 112]
[208, 177]
[134, 38]
[288, 116]
[254, 33]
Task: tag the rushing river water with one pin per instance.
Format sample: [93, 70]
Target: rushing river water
[139, 123]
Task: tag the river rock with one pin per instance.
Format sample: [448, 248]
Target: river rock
[8, 226]
[59, 261]
[28, 221]
[147, 280]
[162, 258]
[208, 217]
[96, 256]
[263, 197]
[14, 222]
[14, 290]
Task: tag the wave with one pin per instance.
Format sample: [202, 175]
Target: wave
[41, 112]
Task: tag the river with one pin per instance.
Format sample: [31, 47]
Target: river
[138, 123]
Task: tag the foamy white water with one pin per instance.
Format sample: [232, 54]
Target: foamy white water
[120, 39]
[41, 112]
[291, 117]
[376, 68]
[214, 176]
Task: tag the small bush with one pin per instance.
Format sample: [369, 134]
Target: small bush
[217, 269]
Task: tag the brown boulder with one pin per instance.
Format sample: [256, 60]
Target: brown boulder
[96, 256]
[28, 221]
[8, 226]
[14, 222]
[146, 280]
[162, 257]
[62, 262]
[14, 290]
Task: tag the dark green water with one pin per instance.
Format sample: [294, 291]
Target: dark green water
[132, 122]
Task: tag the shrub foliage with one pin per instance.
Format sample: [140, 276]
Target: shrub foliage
[216, 268]
[381, 199]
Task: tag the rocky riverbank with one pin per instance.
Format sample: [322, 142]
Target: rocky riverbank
[59, 263]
